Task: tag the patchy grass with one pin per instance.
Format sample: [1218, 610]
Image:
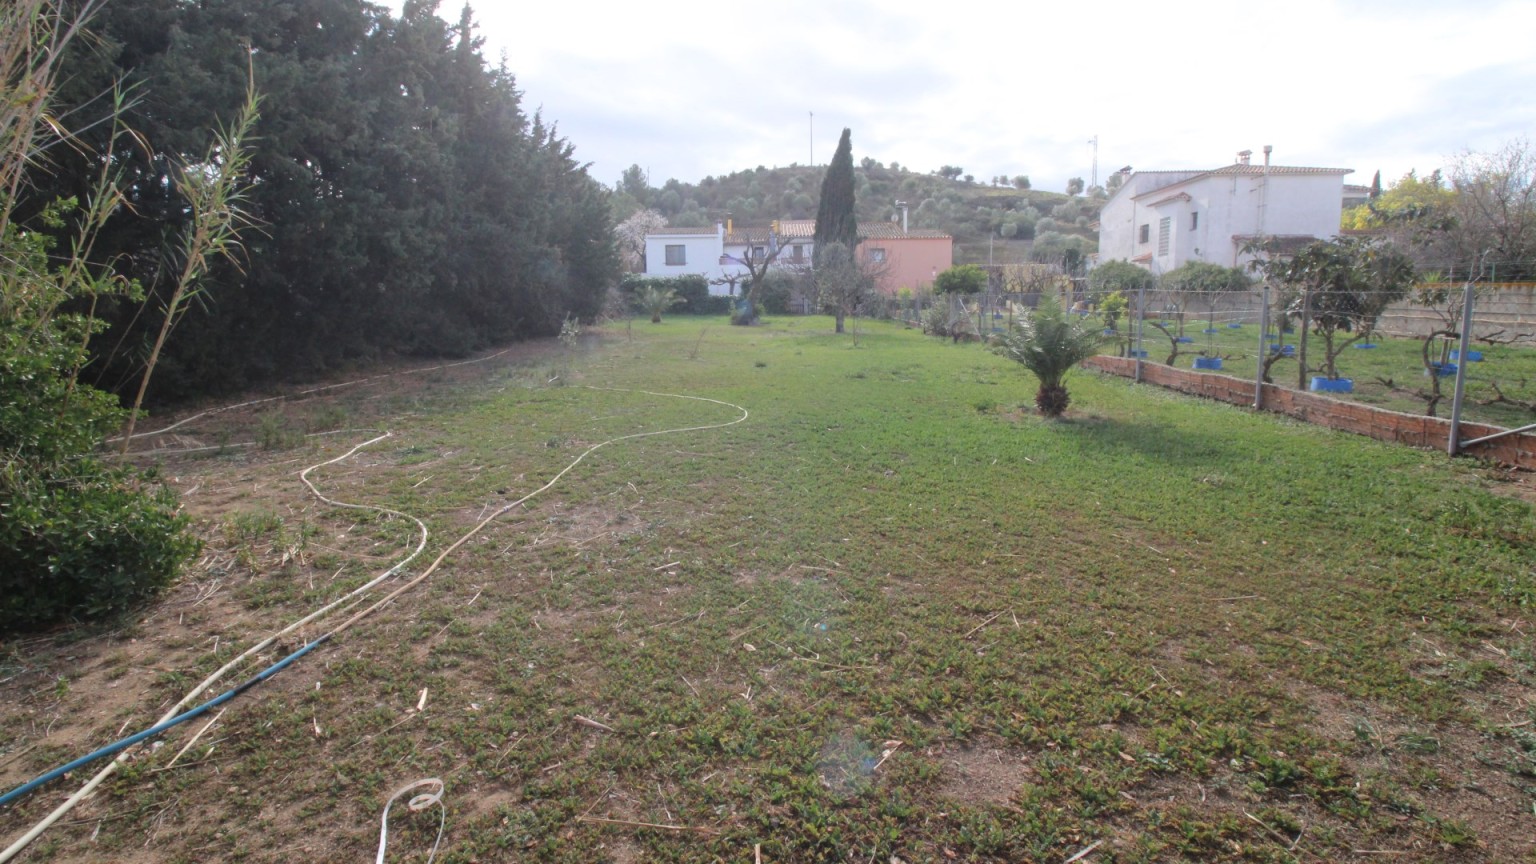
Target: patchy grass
[892, 614]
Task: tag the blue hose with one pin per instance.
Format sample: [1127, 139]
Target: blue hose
[155, 730]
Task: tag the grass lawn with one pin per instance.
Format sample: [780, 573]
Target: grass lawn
[1501, 387]
[892, 615]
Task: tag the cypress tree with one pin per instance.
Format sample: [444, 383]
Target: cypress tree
[835, 221]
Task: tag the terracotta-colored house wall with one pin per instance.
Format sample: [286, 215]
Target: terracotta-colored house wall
[911, 262]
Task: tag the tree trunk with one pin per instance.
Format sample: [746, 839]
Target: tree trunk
[840, 315]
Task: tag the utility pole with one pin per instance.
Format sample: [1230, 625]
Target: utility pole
[1095, 142]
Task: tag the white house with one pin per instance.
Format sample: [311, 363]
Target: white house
[683, 251]
[1162, 219]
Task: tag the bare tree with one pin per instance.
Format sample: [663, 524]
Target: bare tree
[757, 260]
[1494, 211]
[844, 284]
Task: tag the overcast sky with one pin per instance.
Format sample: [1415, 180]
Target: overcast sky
[689, 89]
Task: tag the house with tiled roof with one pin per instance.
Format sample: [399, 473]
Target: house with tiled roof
[1163, 219]
[906, 258]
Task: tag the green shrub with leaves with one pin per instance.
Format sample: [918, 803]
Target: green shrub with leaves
[1048, 342]
[961, 279]
[654, 300]
[78, 537]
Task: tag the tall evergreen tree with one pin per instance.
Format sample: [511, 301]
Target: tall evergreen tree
[408, 203]
[835, 222]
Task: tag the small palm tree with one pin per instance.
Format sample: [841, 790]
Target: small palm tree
[656, 300]
[1049, 343]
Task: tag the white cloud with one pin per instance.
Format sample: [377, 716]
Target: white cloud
[690, 89]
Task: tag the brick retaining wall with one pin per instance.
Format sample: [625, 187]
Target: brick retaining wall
[1415, 430]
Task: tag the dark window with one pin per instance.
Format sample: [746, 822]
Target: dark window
[1145, 234]
[677, 255]
[758, 253]
[798, 252]
[877, 255]
[1194, 221]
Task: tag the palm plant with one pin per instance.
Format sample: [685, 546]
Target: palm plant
[656, 300]
[1049, 343]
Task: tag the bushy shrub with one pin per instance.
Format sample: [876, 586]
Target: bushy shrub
[85, 542]
[77, 538]
[692, 293]
[777, 292]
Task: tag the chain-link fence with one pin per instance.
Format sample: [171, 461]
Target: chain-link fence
[1395, 353]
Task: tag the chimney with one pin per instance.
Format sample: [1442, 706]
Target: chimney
[903, 206]
[1267, 149]
[1244, 156]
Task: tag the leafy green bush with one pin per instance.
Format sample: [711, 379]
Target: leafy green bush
[777, 293]
[692, 293]
[77, 538]
[85, 542]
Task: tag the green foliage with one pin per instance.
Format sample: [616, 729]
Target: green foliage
[409, 201]
[777, 292]
[1122, 276]
[1205, 279]
[836, 221]
[692, 292]
[1410, 199]
[654, 300]
[84, 540]
[1048, 342]
[77, 538]
[961, 279]
[1112, 308]
[1341, 285]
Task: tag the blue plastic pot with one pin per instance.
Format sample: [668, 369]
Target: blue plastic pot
[1109, 331]
[1184, 340]
[1472, 356]
[1444, 369]
[1210, 331]
[1234, 326]
[1207, 363]
[1365, 346]
[1287, 350]
[1324, 384]
[1135, 353]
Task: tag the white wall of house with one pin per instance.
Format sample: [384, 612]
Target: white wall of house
[700, 254]
[1205, 210]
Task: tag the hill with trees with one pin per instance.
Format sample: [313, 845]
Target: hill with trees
[1022, 223]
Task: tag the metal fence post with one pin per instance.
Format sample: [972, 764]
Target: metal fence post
[1453, 440]
[1141, 323]
[1258, 376]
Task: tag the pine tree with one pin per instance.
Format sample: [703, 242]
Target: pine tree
[835, 220]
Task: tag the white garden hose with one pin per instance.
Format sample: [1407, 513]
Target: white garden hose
[37, 830]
